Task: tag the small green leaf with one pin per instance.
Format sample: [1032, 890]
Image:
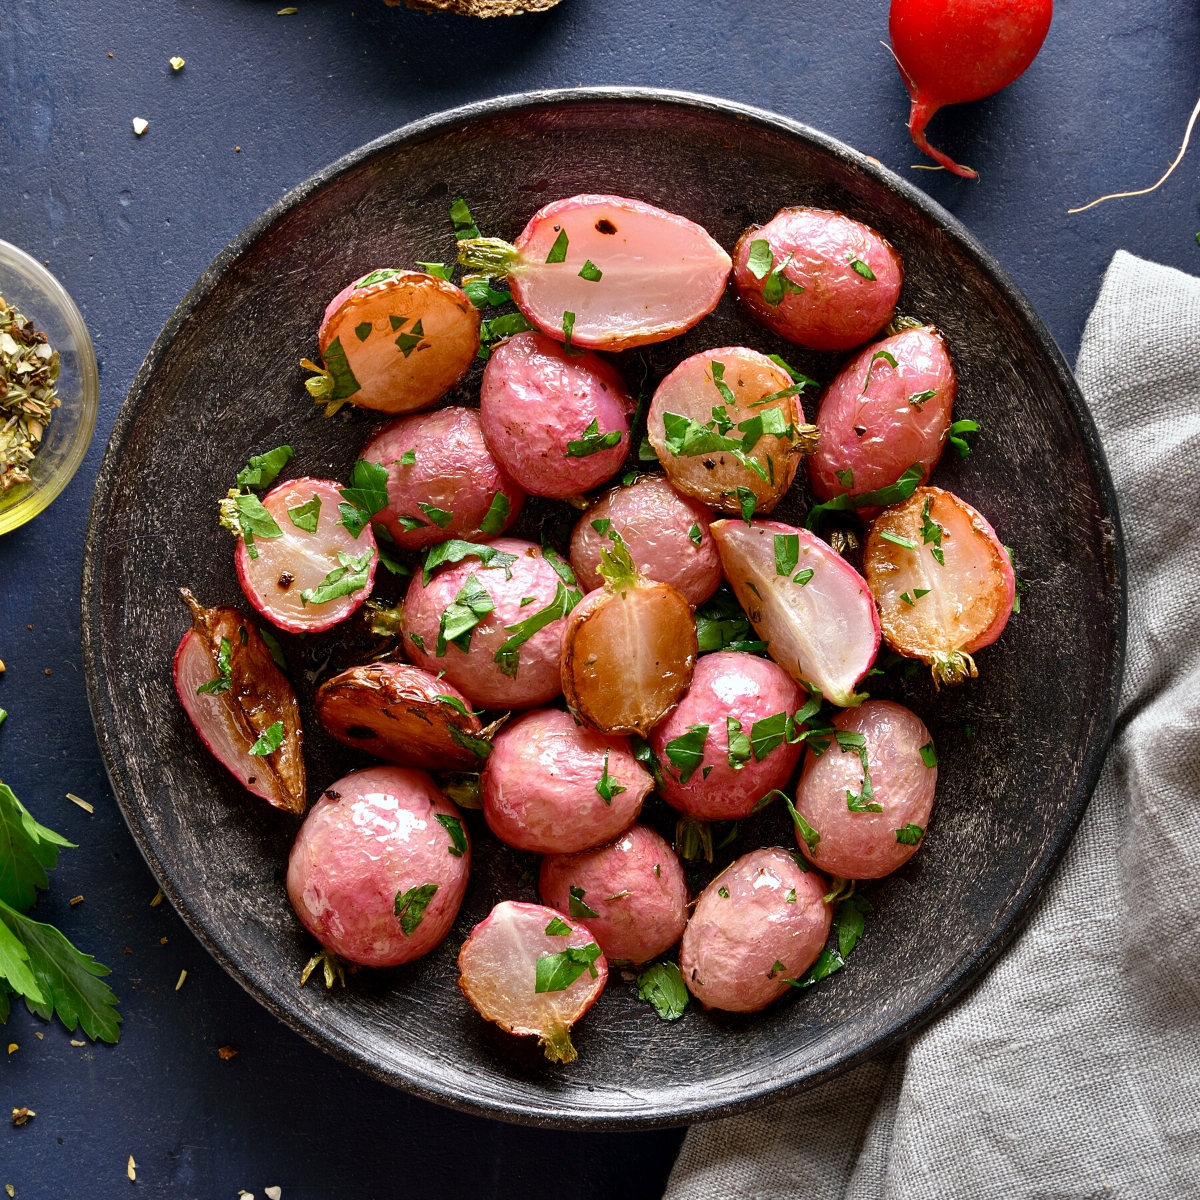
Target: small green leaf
[437, 270]
[455, 550]
[897, 540]
[558, 928]
[558, 252]
[338, 366]
[747, 501]
[592, 442]
[263, 469]
[458, 839]
[811, 837]
[568, 328]
[910, 835]
[760, 259]
[686, 752]
[464, 223]
[352, 576]
[662, 985]
[460, 617]
[379, 276]
[828, 961]
[1020, 583]
[224, 679]
[787, 552]
[366, 495]
[576, 906]
[439, 516]
[881, 497]
[778, 285]
[849, 923]
[408, 342]
[502, 326]
[275, 648]
[857, 265]
[846, 477]
[955, 433]
[408, 458]
[606, 786]
[410, 906]
[397, 322]
[269, 740]
[508, 656]
[919, 398]
[802, 577]
[480, 747]
[929, 755]
[481, 293]
[556, 972]
[887, 358]
[694, 534]
[497, 515]
[767, 734]
[723, 892]
[363, 331]
[591, 272]
[305, 516]
[740, 748]
[602, 525]
[797, 376]
[718, 378]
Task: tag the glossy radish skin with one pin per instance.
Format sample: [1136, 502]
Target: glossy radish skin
[967, 600]
[372, 835]
[728, 684]
[538, 403]
[773, 915]
[498, 974]
[876, 420]
[660, 273]
[403, 715]
[453, 472]
[863, 845]
[839, 307]
[691, 391]
[477, 674]
[666, 534]
[395, 345]
[298, 560]
[541, 785]
[824, 632]
[952, 51]
[635, 885]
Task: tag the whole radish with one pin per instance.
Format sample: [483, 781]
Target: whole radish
[952, 51]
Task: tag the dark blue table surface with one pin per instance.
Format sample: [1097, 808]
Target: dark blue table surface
[128, 224]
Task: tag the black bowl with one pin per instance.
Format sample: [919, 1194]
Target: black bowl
[1020, 748]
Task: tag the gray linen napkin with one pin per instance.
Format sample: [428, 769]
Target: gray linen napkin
[1073, 1069]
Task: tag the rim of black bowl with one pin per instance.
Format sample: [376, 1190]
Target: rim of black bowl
[1018, 913]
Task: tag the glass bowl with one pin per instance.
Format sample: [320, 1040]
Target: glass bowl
[27, 285]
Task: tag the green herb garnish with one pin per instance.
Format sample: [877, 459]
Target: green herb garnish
[606, 786]
[558, 928]
[458, 839]
[366, 496]
[576, 906]
[747, 502]
[778, 285]
[243, 514]
[437, 270]
[224, 679]
[910, 835]
[464, 223]
[857, 265]
[272, 643]
[455, 550]
[811, 837]
[888, 358]
[955, 433]
[263, 469]
[556, 972]
[410, 906]
[497, 515]
[593, 441]
[881, 497]
[897, 540]
[305, 516]
[929, 755]
[460, 617]
[740, 748]
[694, 534]
[919, 398]
[662, 985]
[352, 576]
[802, 577]
[508, 656]
[408, 342]
[760, 258]
[269, 740]
[439, 516]
[862, 800]
[481, 293]
[591, 272]
[686, 752]
[787, 553]
[558, 252]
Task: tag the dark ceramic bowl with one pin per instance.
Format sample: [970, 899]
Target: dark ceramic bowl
[1020, 747]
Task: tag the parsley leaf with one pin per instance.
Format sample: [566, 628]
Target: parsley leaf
[558, 927]
[366, 495]
[556, 972]
[592, 442]
[931, 531]
[887, 358]
[437, 270]
[410, 906]
[27, 849]
[740, 748]
[787, 552]
[591, 272]
[377, 277]
[305, 516]
[481, 293]
[499, 327]
[748, 503]
[760, 258]
[811, 837]
[408, 342]
[558, 252]
[802, 577]
[929, 755]
[722, 625]
[224, 679]
[464, 223]
[480, 747]
[269, 740]
[508, 656]
[778, 285]
[857, 265]
[497, 514]
[1020, 583]
[663, 986]
[568, 328]
[686, 752]
[718, 378]
[919, 398]
[897, 540]
[562, 568]
[910, 835]
[606, 786]
[275, 648]
[694, 534]
[767, 734]
[263, 469]
[643, 754]
[827, 962]
[439, 516]
[576, 906]
[957, 440]
[881, 497]
[848, 922]
[797, 376]
[244, 516]
[352, 576]
[455, 550]
[460, 617]
[458, 839]
[860, 802]
[344, 384]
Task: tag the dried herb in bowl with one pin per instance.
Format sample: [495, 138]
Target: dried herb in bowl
[28, 373]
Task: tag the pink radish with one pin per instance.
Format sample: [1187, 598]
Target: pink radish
[952, 51]
[533, 972]
[942, 579]
[810, 606]
[607, 273]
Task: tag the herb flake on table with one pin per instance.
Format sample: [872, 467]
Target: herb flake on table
[662, 985]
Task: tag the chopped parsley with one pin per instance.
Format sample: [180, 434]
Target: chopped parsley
[910, 598]
[787, 552]
[1020, 583]
[556, 972]
[500, 327]
[929, 755]
[760, 259]
[497, 514]
[591, 272]
[508, 656]
[740, 748]
[352, 576]
[410, 906]
[481, 293]
[721, 624]
[558, 252]
[602, 525]
[686, 752]
[224, 679]
[955, 434]
[439, 516]
[437, 270]
[558, 928]
[272, 644]
[881, 497]
[812, 839]
[723, 892]
[859, 267]
[460, 617]
[269, 740]
[455, 550]
[747, 502]
[384, 273]
[897, 540]
[606, 786]
[408, 458]
[769, 733]
[888, 358]
[263, 469]
[662, 985]
[458, 839]
[846, 477]
[464, 223]
[910, 835]
[862, 800]
[568, 328]
[778, 285]
[243, 514]
[802, 577]
[576, 906]
[305, 516]
[931, 531]
[593, 441]
[694, 534]
[366, 496]
[919, 398]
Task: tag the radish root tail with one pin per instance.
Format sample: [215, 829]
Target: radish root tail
[918, 118]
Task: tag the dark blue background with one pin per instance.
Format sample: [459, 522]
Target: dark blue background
[128, 224]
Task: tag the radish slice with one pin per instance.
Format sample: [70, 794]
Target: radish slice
[810, 606]
[395, 341]
[239, 701]
[533, 972]
[942, 579]
[286, 575]
[607, 273]
[403, 715]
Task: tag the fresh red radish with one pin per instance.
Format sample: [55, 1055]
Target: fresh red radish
[952, 51]
[394, 341]
[755, 930]
[241, 704]
[607, 273]
[666, 535]
[309, 571]
[403, 715]
[728, 428]
[533, 972]
[442, 481]
[631, 894]
[818, 278]
[888, 408]
[942, 579]
[558, 423]
[379, 867]
[810, 606]
[628, 649]
[863, 803]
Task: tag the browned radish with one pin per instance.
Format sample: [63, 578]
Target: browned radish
[394, 341]
[942, 581]
[403, 715]
[628, 648]
[241, 703]
[533, 972]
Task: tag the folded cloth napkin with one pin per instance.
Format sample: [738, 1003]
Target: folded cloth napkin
[1073, 1069]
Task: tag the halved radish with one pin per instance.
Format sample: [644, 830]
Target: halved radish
[533, 972]
[607, 273]
[310, 572]
[810, 606]
[628, 648]
[395, 341]
[942, 579]
[241, 704]
[403, 715]
[728, 428]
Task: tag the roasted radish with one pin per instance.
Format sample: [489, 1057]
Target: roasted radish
[818, 277]
[380, 866]
[863, 803]
[607, 273]
[728, 428]
[942, 580]
[810, 606]
[403, 715]
[241, 703]
[631, 894]
[888, 408]
[666, 535]
[628, 649]
[755, 930]
[394, 341]
[533, 972]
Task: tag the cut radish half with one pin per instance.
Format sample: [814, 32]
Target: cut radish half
[533, 972]
[805, 601]
[942, 579]
[314, 572]
[607, 273]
